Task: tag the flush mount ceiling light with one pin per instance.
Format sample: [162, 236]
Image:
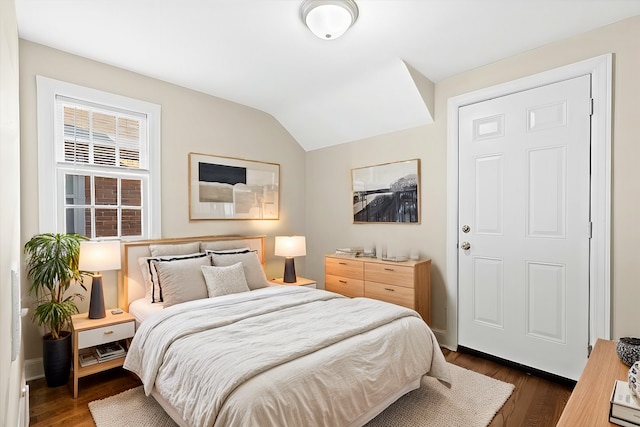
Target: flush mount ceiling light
[329, 19]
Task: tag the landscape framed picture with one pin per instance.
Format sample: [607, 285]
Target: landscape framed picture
[231, 188]
[387, 193]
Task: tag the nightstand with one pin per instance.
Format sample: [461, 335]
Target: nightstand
[301, 281]
[89, 333]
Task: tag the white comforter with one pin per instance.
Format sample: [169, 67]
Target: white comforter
[285, 356]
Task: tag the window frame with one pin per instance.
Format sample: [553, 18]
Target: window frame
[51, 192]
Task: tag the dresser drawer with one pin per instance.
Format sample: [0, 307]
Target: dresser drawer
[105, 334]
[389, 273]
[400, 295]
[344, 285]
[344, 267]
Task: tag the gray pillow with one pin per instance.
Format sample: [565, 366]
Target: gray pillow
[253, 271]
[174, 249]
[182, 280]
[227, 251]
[150, 275]
[225, 280]
[221, 245]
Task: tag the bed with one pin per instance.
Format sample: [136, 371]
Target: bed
[269, 355]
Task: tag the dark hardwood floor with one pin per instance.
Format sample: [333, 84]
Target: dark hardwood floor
[535, 402]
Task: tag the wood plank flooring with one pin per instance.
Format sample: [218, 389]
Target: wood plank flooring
[535, 402]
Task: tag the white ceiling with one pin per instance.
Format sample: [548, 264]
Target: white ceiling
[259, 53]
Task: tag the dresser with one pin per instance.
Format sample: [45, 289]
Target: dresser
[405, 283]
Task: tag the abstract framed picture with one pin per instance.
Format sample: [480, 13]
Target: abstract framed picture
[387, 193]
[231, 188]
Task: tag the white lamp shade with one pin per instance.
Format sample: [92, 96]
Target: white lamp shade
[99, 256]
[329, 19]
[290, 246]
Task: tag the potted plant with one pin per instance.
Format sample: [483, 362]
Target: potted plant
[52, 265]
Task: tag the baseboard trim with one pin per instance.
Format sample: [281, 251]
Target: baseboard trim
[33, 369]
[441, 336]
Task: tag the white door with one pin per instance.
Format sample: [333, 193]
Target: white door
[524, 215]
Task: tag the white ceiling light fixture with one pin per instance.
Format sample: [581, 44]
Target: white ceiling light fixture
[329, 19]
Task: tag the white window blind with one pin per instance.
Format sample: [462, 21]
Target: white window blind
[90, 135]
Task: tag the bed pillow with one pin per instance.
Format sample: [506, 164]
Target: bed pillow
[222, 245]
[150, 275]
[174, 249]
[182, 280]
[253, 271]
[227, 251]
[225, 280]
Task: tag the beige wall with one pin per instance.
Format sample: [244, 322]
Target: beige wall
[11, 372]
[328, 211]
[191, 122]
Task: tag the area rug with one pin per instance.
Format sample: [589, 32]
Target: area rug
[472, 400]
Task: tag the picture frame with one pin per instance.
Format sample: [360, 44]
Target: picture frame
[232, 188]
[386, 193]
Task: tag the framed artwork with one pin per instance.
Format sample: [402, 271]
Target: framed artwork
[230, 188]
[387, 193]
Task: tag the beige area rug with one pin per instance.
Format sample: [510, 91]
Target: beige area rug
[472, 400]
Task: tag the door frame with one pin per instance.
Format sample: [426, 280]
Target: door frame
[600, 69]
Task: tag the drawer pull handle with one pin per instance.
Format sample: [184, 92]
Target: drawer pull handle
[389, 289]
[108, 332]
[342, 263]
[389, 269]
[343, 281]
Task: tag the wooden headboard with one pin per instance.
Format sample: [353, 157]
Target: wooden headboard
[130, 283]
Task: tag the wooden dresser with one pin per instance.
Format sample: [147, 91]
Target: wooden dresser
[588, 404]
[405, 283]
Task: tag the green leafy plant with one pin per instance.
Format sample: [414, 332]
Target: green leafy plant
[52, 265]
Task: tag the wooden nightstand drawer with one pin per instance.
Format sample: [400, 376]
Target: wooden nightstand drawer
[344, 267]
[105, 334]
[389, 273]
[344, 285]
[399, 295]
[89, 333]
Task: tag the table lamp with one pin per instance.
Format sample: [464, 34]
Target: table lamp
[96, 257]
[289, 247]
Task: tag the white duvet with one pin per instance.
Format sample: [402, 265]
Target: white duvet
[281, 356]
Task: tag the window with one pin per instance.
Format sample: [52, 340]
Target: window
[99, 157]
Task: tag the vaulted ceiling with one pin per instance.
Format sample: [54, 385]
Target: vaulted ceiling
[377, 78]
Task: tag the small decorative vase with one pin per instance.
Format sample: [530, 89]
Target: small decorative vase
[628, 350]
[634, 379]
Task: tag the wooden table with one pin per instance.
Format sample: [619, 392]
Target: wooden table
[588, 405]
[89, 333]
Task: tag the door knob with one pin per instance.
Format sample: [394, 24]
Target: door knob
[465, 246]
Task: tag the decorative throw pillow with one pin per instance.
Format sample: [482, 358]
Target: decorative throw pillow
[182, 280]
[253, 271]
[225, 280]
[150, 275]
[174, 249]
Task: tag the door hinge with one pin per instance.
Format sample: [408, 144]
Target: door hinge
[589, 349]
[591, 106]
[590, 230]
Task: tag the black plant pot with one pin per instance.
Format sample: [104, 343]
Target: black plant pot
[56, 357]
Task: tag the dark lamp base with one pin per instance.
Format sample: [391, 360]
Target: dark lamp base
[289, 271]
[96, 305]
